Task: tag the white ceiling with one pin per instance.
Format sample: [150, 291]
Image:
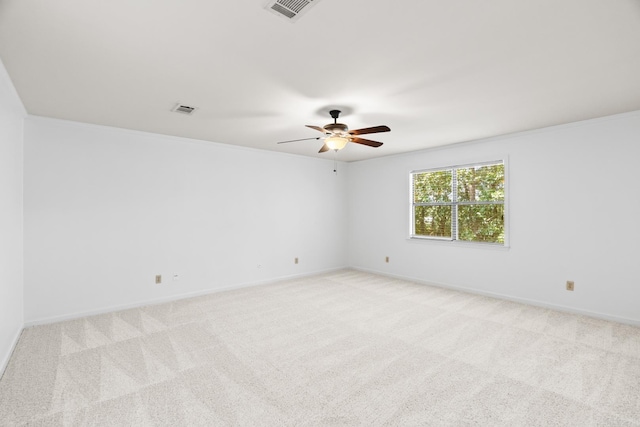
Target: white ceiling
[436, 72]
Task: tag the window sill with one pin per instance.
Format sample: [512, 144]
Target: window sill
[458, 243]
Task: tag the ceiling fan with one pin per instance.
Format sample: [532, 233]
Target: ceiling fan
[337, 135]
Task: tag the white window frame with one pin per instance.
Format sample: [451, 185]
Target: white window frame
[454, 235]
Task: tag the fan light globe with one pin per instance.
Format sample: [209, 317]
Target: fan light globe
[336, 142]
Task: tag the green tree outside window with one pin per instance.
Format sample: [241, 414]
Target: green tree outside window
[464, 203]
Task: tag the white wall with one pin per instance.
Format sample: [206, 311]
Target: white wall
[107, 209]
[574, 207]
[12, 115]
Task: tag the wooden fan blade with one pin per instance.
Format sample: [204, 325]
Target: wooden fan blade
[318, 128]
[374, 129]
[296, 140]
[363, 141]
[324, 148]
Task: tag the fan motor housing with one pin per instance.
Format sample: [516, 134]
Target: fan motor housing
[336, 128]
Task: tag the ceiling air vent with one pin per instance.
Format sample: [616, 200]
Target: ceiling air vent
[291, 10]
[184, 109]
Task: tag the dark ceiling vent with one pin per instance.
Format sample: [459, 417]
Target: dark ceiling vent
[291, 10]
[184, 109]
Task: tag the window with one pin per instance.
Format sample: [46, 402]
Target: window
[463, 203]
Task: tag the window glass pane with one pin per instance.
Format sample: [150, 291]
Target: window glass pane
[432, 187]
[481, 183]
[434, 221]
[481, 223]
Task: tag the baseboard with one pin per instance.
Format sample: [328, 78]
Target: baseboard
[537, 303]
[5, 360]
[176, 297]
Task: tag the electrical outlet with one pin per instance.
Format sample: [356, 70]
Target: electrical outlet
[296, 260]
[176, 277]
[386, 259]
[570, 285]
[158, 279]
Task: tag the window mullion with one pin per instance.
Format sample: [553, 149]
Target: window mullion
[482, 202]
[454, 208]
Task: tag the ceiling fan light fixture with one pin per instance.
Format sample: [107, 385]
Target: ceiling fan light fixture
[337, 135]
[336, 142]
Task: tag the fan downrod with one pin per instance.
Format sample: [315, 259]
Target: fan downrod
[334, 115]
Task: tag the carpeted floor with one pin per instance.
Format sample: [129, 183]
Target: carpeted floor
[345, 348]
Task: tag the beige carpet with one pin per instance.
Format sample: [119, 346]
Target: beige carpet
[345, 348]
